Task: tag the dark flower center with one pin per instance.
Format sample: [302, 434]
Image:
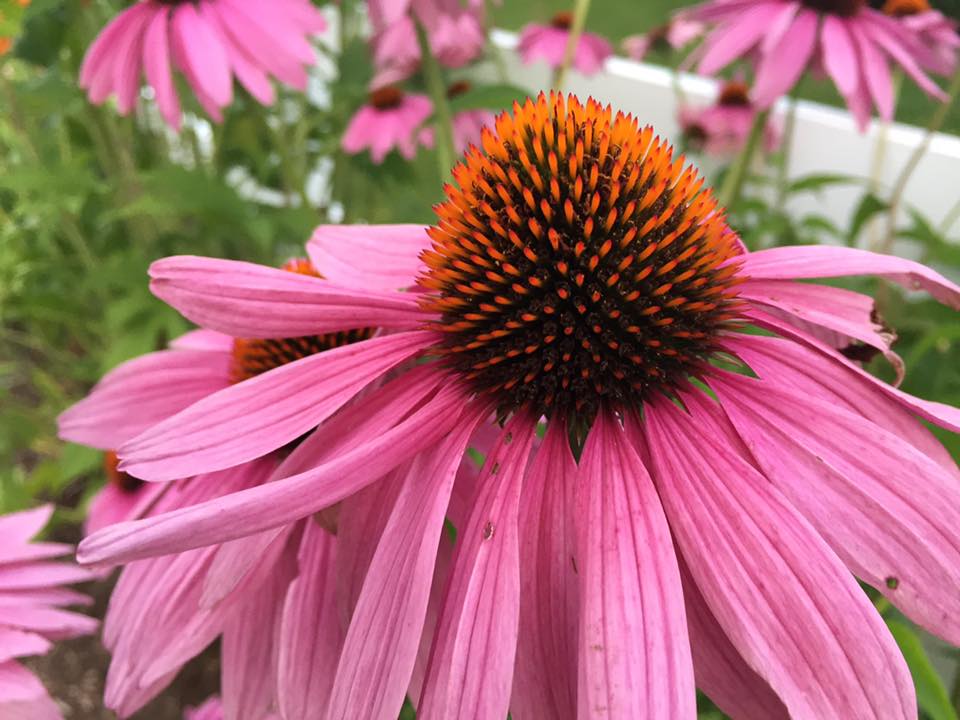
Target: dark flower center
[562, 20]
[576, 263]
[386, 98]
[905, 8]
[843, 8]
[695, 135]
[461, 87]
[256, 356]
[116, 477]
[734, 94]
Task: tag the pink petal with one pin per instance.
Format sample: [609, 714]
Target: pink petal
[545, 678]
[876, 73]
[19, 528]
[247, 300]
[260, 508]
[785, 601]
[204, 57]
[206, 340]
[839, 55]
[250, 644]
[22, 695]
[248, 72]
[140, 393]
[99, 76]
[371, 257]
[381, 644]
[311, 635]
[823, 261]
[733, 40]
[156, 62]
[18, 643]
[848, 313]
[472, 659]
[37, 575]
[719, 670]
[783, 64]
[809, 373]
[634, 651]
[879, 34]
[938, 413]
[128, 62]
[51, 623]
[259, 415]
[891, 513]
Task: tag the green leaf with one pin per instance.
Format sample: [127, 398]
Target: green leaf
[870, 205]
[489, 97]
[931, 693]
[819, 181]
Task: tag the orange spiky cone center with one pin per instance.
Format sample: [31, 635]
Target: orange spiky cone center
[577, 263]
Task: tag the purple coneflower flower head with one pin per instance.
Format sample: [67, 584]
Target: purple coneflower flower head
[209, 42]
[455, 33]
[548, 43]
[257, 595]
[662, 536]
[391, 120]
[32, 618]
[854, 43]
[938, 33]
[676, 34]
[722, 128]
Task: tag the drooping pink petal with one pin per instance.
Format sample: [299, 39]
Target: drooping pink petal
[807, 372]
[840, 55]
[19, 643]
[634, 655]
[19, 527]
[876, 74]
[850, 313]
[250, 645]
[157, 65]
[782, 65]
[99, 77]
[472, 659]
[372, 257]
[545, 679]
[731, 41]
[891, 513]
[142, 392]
[719, 670]
[22, 695]
[248, 72]
[311, 634]
[892, 45]
[204, 57]
[247, 300]
[824, 261]
[206, 340]
[384, 634]
[52, 623]
[279, 502]
[128, 64]
[940, 414]
[785, 601]
[259, 415]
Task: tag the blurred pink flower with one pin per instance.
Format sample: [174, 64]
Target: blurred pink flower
[455, 33]
[937, 32]
[783, 38]
[709, 538]
[31, 618]
[677, 33]
[723, 127]
[467, 126]
[210, 42]
[549, 43]
[391, 120]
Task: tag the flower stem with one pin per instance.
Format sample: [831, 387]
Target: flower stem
[441, 106]
[580, 10]
[786, 149]
[737, 174]
[900, 186]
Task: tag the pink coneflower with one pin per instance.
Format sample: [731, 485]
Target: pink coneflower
[549, 43]
[938, 33]
[210, 43]
[676, 34]
[31, 614]
[661, 536]
[391, 120]
[854, 43]
[455, 34]
[467, 124]
[722, 128]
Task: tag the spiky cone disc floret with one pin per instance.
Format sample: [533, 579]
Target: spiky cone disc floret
[577, 263]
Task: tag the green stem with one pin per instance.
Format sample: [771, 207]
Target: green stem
[900, 186]
[580, 10]
[783, 171]
[737, 174]
[441, 106]
[950, 219]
